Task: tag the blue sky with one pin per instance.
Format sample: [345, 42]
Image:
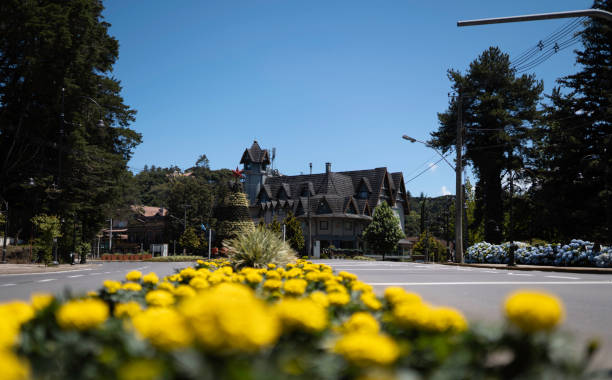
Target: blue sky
[322, 81]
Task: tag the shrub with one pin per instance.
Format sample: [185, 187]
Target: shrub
[576, 253]
[257, 249]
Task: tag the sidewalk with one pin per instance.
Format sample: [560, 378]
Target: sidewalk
[39, 268]
[548, 268]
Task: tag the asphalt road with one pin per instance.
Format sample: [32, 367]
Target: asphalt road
[480, 293]
[21, 286]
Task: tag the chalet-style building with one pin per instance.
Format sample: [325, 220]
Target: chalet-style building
[144, 226]
[340, 203]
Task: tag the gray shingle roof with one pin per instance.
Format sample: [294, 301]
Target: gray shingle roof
[255, 154]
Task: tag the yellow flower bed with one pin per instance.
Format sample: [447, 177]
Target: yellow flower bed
[274, 314]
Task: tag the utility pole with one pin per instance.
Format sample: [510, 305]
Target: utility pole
[6, 224]
[511, 216]
[209, 241]
[185, 206]
[458, 187]
[110, 237]
[309, 221]
[284, 231]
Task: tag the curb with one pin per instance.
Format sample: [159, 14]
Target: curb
[587, 270]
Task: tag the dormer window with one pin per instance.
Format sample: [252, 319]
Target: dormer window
[323, 208]
[363, 192]
[247, 165]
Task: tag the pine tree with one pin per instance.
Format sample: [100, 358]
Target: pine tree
[497, 108]
[384, 232]
[276, 227]
[190, 240]
[294, 233]
[573, 157]
[232, 215]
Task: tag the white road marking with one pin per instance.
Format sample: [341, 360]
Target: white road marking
[565, 277]
[106, 272]
[76, 275]
[520, 274]
[494, 283]
[490, 271]
[95, 274]
[47, 280]
[49, 273]
[7, 285]
[386, 269]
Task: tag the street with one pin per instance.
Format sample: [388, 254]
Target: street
[20, 286]
[480, 293]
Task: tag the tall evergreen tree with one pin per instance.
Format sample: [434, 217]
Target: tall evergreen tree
[497, 109]
[294, 233]
[573, 155]
[45, 47]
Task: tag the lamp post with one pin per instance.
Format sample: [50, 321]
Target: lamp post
[309, 221]
[458, 185]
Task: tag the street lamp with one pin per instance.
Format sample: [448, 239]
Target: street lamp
[458, 189]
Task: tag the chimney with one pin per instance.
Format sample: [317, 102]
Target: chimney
[328, 167]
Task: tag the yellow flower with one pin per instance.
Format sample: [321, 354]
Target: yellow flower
[319, 298]
[174, 278]
[82, 314]
[160, 298]
[367, 349]
[295, 286]
[273, 275]
[420, 316]
[167, 286]
[271, 266]
[338, 298]
[396, 295]
[132, 287]
[13, 367]
[163, 327]
[347, 276]
[361, 322]
[112, 286]
[41, 300]
[272, 285]
[217, 318]
[140, 369]
[128, 309]
[226, 270]
[301, 314]
[184, 291]
[254, 278]
[293, 273]
[358, 286]
[217, 277]
[12, 316]
[134, 275]
[188, 273]
[199, 283]
[92, 294]
[150, 278]
[334, 286]
[370, 301]
[534, 311]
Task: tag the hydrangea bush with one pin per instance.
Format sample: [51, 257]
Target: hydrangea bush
[576, 253]
[299, 321]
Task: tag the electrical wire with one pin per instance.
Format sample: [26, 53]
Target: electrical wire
[425, 171]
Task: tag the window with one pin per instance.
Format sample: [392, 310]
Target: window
[247, 165]
[323, 208]
[351, 209]
[348, 226]
[323, 225]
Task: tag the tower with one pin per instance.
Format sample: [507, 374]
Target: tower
[255, 161]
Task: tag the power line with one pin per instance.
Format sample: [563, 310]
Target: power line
[426, 170]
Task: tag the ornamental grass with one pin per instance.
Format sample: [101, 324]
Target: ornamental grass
[223, 320]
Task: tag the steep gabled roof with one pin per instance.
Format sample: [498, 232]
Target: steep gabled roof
[255, 154]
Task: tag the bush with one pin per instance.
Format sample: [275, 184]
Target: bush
[576, 253]
[257, 249]
[170, 259]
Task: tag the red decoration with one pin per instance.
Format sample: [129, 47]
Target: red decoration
[237, 173]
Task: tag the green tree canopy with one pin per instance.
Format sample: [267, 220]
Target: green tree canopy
[293, 232]
[498, 109]
[384, 232]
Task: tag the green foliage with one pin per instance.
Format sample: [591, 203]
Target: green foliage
[46, 47]
[82, 250]
[258, 248]
[171, 259]
[497, 108]
[428, 245]
[276, 227]
[48, 229]
[294, 233]
[573, 146]
[384, 232]
[190, 240]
